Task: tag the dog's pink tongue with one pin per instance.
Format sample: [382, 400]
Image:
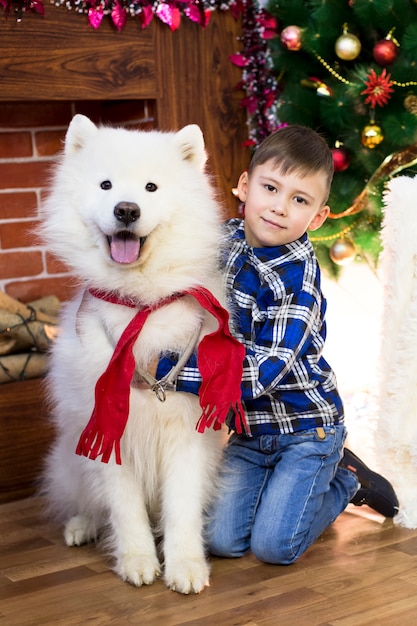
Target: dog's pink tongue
[124, 249]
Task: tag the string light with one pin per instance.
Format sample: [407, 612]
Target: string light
[340, 233]
[410, 83]
[345, 81]
[332, 71]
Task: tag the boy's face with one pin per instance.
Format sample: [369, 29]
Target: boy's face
[280, 208]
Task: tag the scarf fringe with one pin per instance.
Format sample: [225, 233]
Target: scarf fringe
[215, 417]
[93, 443]
[241, 424]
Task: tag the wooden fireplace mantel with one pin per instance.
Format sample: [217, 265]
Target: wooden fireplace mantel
[187, 73]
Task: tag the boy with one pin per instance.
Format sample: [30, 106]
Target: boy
[287, 480]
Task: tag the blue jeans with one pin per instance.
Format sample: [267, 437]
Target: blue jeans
[279, 493]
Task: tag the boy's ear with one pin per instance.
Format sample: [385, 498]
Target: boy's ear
[242, 186]
[319, 219]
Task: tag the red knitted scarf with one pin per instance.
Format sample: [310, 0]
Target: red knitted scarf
[219, 357]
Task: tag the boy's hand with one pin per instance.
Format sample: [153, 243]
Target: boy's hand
[152, 367]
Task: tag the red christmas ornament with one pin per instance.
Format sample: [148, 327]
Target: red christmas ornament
[341, 159]
[385, 52]
[291, 37]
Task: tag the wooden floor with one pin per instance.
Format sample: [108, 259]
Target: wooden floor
[363, 570]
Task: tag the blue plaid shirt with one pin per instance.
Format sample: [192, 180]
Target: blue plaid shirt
[278, 314]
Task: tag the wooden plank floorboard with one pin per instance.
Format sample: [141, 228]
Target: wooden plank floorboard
[361, 572]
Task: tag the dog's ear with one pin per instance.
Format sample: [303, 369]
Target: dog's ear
[190, 140]
[81, 128]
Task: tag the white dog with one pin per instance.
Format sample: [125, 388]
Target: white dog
[134, 215]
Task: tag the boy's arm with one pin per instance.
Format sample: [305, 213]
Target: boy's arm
[266, 366]
[188, 379]
[280, 342]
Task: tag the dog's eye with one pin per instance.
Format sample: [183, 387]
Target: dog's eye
[106, 185]
[151, 187]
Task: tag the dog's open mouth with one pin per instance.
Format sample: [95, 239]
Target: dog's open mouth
[125, 247]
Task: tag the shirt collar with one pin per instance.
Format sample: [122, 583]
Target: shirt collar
[298, 250]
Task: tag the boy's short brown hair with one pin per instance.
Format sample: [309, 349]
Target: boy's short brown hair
[296, 148]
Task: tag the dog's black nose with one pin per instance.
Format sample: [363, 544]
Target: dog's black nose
[127, 212]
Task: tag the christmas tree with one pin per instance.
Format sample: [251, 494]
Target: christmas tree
[348, 69]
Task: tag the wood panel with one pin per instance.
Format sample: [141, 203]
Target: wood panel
[197, 84]
[25, 435]
[61, 57]
[361, 572]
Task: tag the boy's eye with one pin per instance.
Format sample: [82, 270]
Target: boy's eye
[300, 200]
[270, 188]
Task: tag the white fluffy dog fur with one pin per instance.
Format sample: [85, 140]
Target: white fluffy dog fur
[168, 471]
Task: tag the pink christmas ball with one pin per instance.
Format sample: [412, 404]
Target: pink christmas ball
[291, 37]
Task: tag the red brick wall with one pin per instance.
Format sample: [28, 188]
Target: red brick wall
[31, 133]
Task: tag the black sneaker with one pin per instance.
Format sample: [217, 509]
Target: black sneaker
[374, 491]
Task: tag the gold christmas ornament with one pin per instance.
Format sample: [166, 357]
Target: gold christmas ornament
[372, 136]
[410, 103]
[347, 46]
[343, 251]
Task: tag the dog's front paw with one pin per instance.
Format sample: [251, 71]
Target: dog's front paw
[138, 569]
[79, 530]
[187, 575]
